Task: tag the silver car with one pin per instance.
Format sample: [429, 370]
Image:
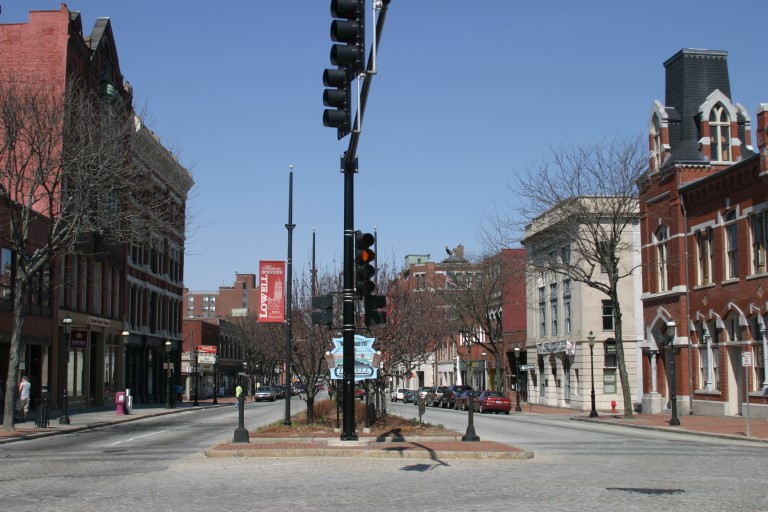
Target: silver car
[264, 393]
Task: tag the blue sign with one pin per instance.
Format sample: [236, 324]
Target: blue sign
[364, 353]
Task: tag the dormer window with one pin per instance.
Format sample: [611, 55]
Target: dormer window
[719, 134]
[656, 141]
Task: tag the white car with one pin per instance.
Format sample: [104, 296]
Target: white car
[397, 394]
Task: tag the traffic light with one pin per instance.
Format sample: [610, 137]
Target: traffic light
[350, 31]
[374, 309]
[322, 313]
[340, 98]
[364, 269]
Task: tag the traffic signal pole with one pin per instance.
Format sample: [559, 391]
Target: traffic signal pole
[349, 168]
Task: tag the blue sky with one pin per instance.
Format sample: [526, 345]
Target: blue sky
[467, 94]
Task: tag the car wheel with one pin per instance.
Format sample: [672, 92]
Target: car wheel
[506, 412]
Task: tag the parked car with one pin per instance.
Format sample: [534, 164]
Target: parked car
[421, 394]
[451, 393]
[264, 393]
[492, 401]
[462, 402]
[409, 397]
[397, 394]
[279, 391]
[435, 394]
[360, 392]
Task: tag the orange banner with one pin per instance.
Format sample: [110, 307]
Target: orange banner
[271, 291]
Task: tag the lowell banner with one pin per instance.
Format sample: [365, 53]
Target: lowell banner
[271, 294]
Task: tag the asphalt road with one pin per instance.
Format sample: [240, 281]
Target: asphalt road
[157, 464]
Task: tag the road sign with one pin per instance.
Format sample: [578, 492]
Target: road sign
[746, 359]
[364, 353]
[526, 367]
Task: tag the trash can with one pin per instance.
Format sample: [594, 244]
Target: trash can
[121, 403]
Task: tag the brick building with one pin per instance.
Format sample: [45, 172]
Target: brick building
[703, 226]
[455, 359]
[123, 304]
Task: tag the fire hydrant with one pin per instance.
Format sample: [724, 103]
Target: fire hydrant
[613, 406]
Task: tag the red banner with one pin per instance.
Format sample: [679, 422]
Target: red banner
[207, 349]
[271, 291]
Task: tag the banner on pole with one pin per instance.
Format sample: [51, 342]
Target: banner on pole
[271, 291]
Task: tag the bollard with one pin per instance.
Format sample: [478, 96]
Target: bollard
[613, 406]
[41, 420]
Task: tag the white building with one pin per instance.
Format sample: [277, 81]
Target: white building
[562, 314]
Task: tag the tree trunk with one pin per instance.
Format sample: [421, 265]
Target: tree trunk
[14, 356]
[620, 360]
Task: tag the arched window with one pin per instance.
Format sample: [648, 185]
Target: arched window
[719, 134]
[731, 244]
[656, 150]
[662, 236]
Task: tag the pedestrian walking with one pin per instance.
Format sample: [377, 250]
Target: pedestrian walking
[25, 392]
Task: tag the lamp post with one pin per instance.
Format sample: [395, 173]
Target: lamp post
[591, 341]
[64, 418]
[197, 370]
[216, 375]
[484, 384]
[517, 381]
[674, 420]
[168, 347]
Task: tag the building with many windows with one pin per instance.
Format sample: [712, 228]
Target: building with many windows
[703, 219]
[100, 317]
[563, 314]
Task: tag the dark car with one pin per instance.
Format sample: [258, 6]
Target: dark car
[451, 394]
[462, 402]
[409, 397]
[279, 390]
[492, 401]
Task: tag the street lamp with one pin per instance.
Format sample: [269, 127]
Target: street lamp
[674, 420]
[517, 381]
[168, 347]
[197, 370]
[591, 341]
[216, 374]
[484, 384]
[64, 418]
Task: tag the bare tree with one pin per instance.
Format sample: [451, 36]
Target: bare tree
[311, 342]
[474, 295]
[262, 344]
[68, 184]
[585, 198]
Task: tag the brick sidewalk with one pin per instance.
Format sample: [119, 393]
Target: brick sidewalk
[710, 425]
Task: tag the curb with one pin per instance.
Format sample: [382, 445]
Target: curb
[672, 430]
[414, 449]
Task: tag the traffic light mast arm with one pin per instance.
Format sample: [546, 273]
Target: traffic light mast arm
[349, 160]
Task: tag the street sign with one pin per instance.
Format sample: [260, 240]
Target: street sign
[526, 367]
[206, 359]
[207, 349]
[364, 353]
[746, 359]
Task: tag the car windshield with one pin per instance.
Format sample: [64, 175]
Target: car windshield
[264, 388]
[494, 394]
